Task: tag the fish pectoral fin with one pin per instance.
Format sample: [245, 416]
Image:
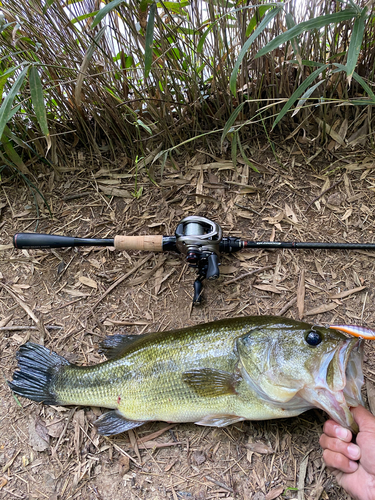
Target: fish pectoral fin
[114, 346]
[220, 420]
[207, 382]
[113, 422]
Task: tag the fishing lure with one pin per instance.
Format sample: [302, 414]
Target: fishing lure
[356, 331]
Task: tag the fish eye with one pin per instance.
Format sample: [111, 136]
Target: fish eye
[313, 338]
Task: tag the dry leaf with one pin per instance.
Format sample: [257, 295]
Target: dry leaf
[227, 269]
[5, 321]
[88, 282]
[259, 447]
[268, 288]
[301, 294]
[38, 435]
[275, 220]
[347, 214]
[271, 495]
[74, 293]
[199, 188]
[319, 268]
[124, 464]
[79, 421]
[199, 457]
[346, 293]
[3, 482]
[290, 213]
[321, 309]
[114, 191]
[55, 429]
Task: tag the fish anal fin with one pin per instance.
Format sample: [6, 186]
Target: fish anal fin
[114, 346]
[112, 422]
[220, 420]
[207, 382]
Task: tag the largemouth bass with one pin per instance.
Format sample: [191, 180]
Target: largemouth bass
[216, 374]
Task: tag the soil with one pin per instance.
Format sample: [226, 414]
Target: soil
[70, 299]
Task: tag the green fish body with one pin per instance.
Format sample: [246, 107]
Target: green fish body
[250, 368]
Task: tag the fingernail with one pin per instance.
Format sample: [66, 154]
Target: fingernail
[353, 466]
[353, 451]
[342, 433]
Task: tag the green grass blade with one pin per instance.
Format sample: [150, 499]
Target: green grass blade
[305, 96]
[301, 89]
[104, 11]
[234, 149]
[84, 65]
[361, 81]
[13, 155]
[267, 19]
[357, 78]
[253, 21]
[245, 158]
[6, 107]
[317, 23]
[231, 121]
[149, 39]
[37, 98]
[85, 16]
[355, 44]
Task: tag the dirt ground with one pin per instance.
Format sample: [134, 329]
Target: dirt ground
[70, 299]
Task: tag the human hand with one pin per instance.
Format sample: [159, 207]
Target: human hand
[352, 464]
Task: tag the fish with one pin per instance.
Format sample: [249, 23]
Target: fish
[213, 374]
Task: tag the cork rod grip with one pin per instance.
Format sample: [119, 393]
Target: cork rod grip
[153, 243]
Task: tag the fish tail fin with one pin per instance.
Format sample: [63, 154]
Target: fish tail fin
[37, 370]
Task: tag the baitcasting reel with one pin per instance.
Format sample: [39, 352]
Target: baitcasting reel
[199, 240]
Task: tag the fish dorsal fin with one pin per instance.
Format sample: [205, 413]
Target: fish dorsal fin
[207, 382]
[114, 346]
[113, 422]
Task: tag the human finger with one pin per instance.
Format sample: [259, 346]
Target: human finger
[349, 450]
[364, 419]
[339, 461]
[333, 429]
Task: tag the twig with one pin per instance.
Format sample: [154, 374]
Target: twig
[324, 192]
[26, 308]
[218, 483]
[248, 274]
[120, 450]
[120, 280]
[287, 306]
[21, 328]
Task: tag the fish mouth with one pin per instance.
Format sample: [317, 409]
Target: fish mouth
[338, 382]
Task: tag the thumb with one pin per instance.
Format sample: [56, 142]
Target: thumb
[364, 419]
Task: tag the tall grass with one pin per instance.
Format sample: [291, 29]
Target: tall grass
[116, 76]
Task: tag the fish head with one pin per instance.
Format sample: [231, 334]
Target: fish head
[298, 366]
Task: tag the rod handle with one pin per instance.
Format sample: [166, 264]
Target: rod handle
[151, 243]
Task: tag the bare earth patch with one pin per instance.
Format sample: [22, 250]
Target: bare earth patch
[59, 297]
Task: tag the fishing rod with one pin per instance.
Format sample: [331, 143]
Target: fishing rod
[199, 239]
